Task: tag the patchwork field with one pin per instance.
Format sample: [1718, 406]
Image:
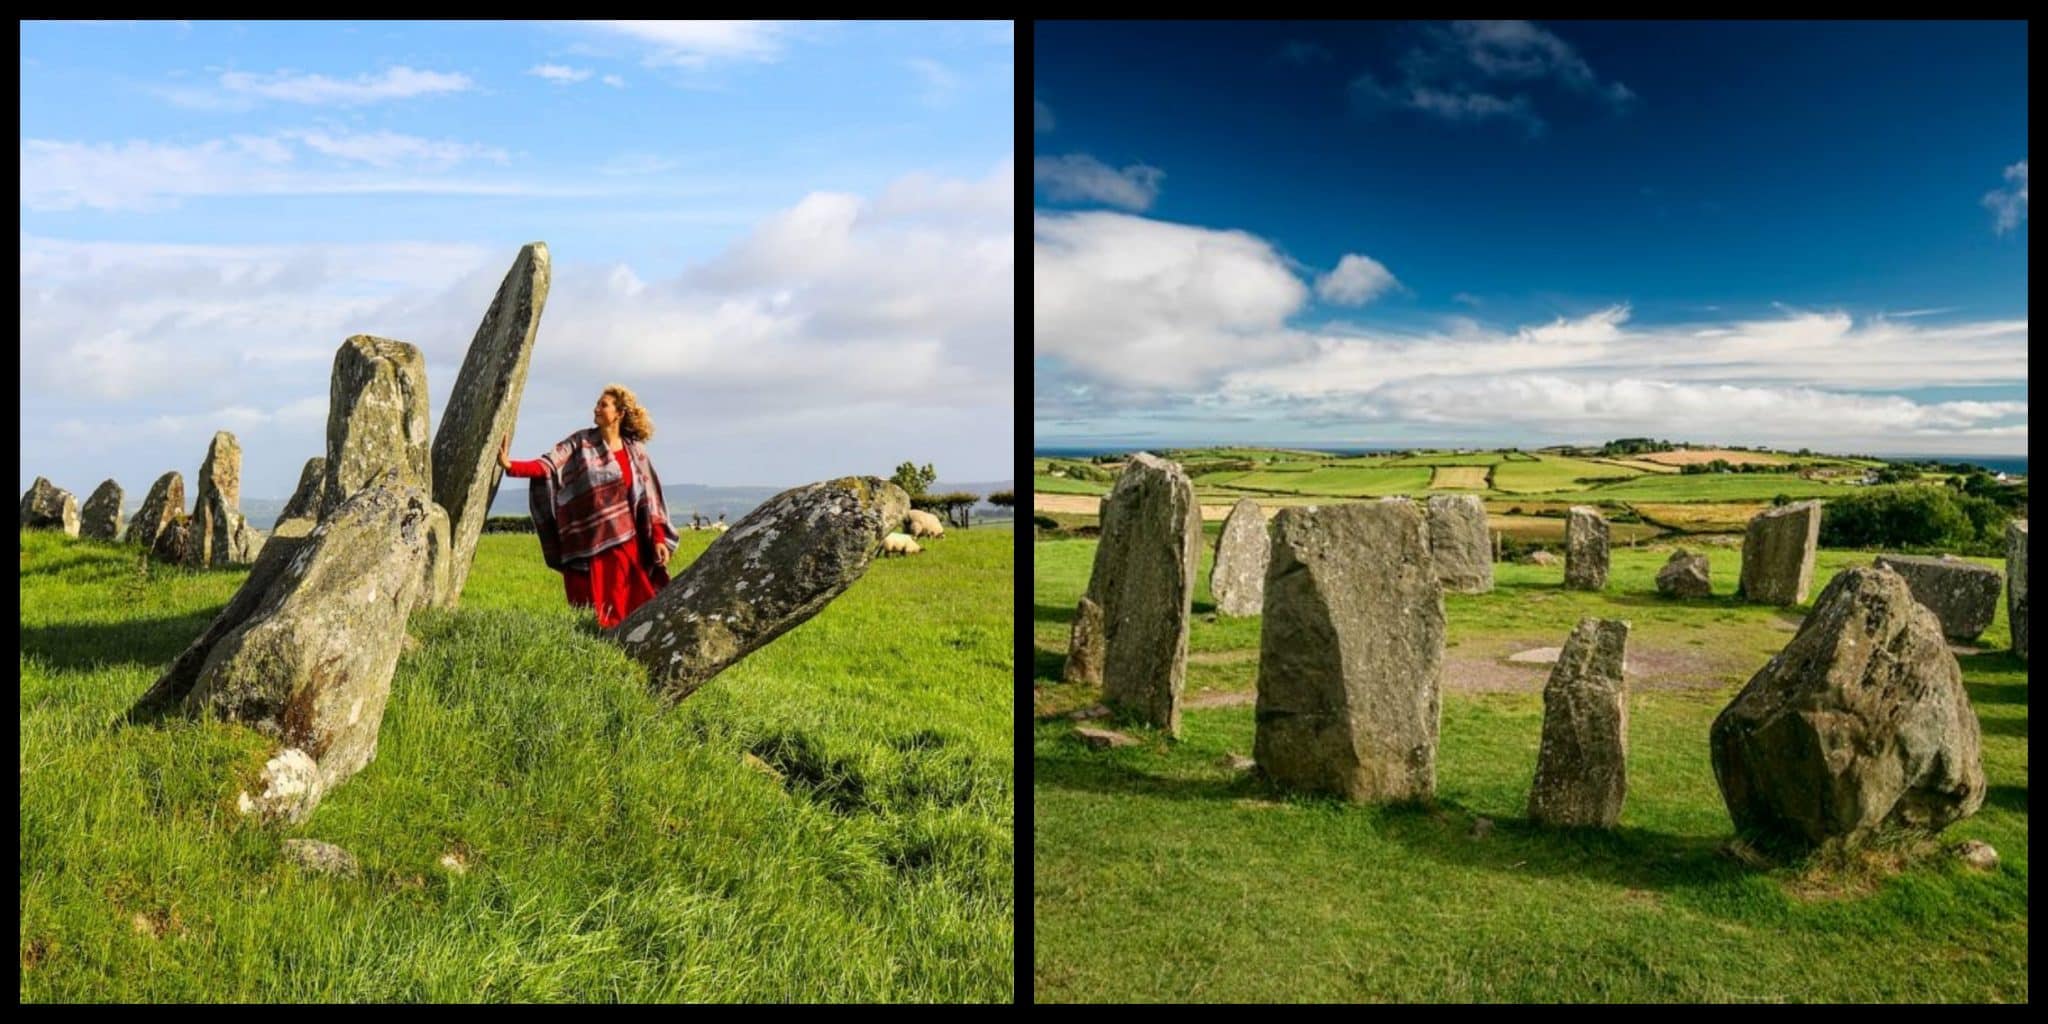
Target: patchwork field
[1689, 457]
[1470, 478]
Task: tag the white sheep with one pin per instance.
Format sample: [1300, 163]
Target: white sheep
[899, 544]
[924, 524]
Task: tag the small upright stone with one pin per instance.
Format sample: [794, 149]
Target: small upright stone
[1585, 549]
[1685, 575]
[1085, 645]
[1777, 553]
[1962, 594]
[1154, 539]
[48, 507]
[165, 501]
[1458, 543]
[217, 504]
[2016, 584]
[100, 519]
[171, 544]
[1582, 767]
[1238, 578]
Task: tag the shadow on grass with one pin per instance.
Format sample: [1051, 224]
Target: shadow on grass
[2007, 798]
[1050, 613]
[130, 642]
[2003, 726]
[1047, 665]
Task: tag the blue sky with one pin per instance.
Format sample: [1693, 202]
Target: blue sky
[794, 241]
[1512, 232]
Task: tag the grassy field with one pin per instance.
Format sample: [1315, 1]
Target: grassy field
[611, 850]
[1344, 482]
[1553, 473]
[1161, 874]
[1469, 478]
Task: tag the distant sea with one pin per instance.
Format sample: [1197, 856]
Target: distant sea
[2016, 464]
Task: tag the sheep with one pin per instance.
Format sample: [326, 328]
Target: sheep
[899, 544]
[924, 524]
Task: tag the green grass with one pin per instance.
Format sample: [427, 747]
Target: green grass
[616, 850]
[1061, 485]
[1339, 482]
[1161, 875]
[1552, 473]
[1719, 487]
[1449, 459]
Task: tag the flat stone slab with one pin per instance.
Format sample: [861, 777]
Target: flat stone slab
[1538, 656]
[1103, 739]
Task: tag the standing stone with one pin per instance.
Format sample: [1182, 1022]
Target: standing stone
[769, 574]
[1861, 721]
[484, 406]
[305, 500]
[1585, 549]
[100, 519]
[220, 493]
[1685, 575]
[1154, 541]
[1962, 595]
[48, 507]
[1582, 767]
[1238, 578]
[1086, 645]
[165, 501]
[376, 419]
[2016, 584]
[173, 542]
[436, 586]
[1777, 553]
[1458, 544]
[1351, 653]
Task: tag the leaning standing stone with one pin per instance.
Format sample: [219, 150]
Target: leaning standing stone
[220, 493]
[166, 499]
[376, 418]
[1238, 578]
[767, 575]
[483, 408]
[100, 519]
[49, 507]
[1963, 595]
[1860, 722]
[1582, 768]
[1685, 575]
[1458, 544]
[1585, 548]
[2016, 584]
[1351, 653]
[1154, 541]
[1777, 553]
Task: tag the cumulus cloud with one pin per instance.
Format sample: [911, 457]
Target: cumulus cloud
[1358, 279]
[1458, 73]
[2009, 203]
[1078, 177]
[392, 149]
[394, 83]
[559, 74]
[700, 44]
[614, 81]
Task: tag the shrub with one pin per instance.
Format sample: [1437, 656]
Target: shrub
[1915, 516]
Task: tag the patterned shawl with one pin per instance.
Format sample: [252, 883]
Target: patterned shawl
[579, 509]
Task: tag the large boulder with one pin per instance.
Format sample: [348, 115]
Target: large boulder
[1237, 579]
[376, 419]
[2016, 584]
[1685, 575]
[1351, 653]
[46, 506]
[1086, 644]
[305, 499]
[218, 503]
[767, 575]
[1585, 548]
[1860, 722]
[164, 502]
[100, 519]
[1777, 553]
[1582, 766]
[311, 662]
[484, 407]
[1154, 544]
[1458, 543]
[1963, 595]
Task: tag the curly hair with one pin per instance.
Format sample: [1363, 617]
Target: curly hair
[634, 423]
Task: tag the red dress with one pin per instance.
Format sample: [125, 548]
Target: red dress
[616, 583]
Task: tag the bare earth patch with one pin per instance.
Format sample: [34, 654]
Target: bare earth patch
[1471, 478]
[1687, 458]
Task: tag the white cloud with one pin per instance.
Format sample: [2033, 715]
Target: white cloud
[1041, 116]
[394, 83]
[940, 83]
[614, 81]
[391, 149]
[1078, 177]
[1357, 280]
[559, 74]
[2009, 203]
[699, 44]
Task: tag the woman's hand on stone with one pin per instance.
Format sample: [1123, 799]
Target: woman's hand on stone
[504, 458]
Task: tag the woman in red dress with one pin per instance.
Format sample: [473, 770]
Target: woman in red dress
[596, 503]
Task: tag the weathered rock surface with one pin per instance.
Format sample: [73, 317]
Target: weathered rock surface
[1977, 853]
[1777, 553]
[1237, 579]
[1103, 739]
[1351, 653]
[1962, 594]
[376, 419]
[1582, 766]
[1085, 645]
[1585, 548]
[1459, 544]
[1539, 557]
[484, 407]
[291, 786]
[1154, 540]
[165, 500]
[46, 506]
[305, 500]
[2016, 584]
[437, 581]
[217, 504]
[100, 519]
[772, 571]
[1861, 721]
[174, 541]
[324, 858]
[1685, 575]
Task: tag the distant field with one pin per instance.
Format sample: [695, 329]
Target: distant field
[1449, 459]
[1469, 478]
[1690, 457]
[1554, 473]
[1703, 517]
[1638, 464]
[1361, 483]
[1045, 484]
[1549, 529]
[1720, 487]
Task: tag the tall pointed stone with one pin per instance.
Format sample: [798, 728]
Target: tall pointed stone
[1237, 579]
[1154, 542]
[484, 407]
[376, 419]
[305, 500]
[1585, 548]
[1777, 553]
[1458, 543]
[2016, 584]
[219, 500]
[164, 502]
[100, 519]
[1582, 766]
